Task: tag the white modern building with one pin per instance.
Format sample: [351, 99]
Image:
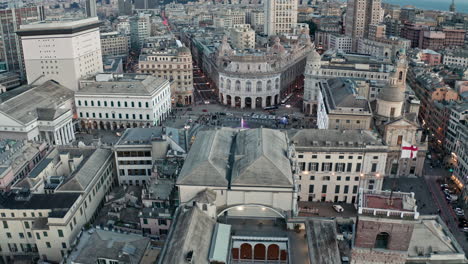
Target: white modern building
[61, 51]
[334, 164]
[42, 113]
[342, 43]
[280, 16]
[110, 101]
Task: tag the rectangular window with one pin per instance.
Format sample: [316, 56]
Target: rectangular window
[48, 245]
[64, 245]
[8, 234]
[358, 167]
[162, 222]
[346, 189]
[355, 188]
[38, 236]
[311, 188]
[374, 167]
[349, 167]
[26, 224]
[399, 140]
[5, 224]
[60, 233]
[324, 189]
[337, 189]
[45, 234]
[145, 221]
[312, 178]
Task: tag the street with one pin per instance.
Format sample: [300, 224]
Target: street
[430, 198]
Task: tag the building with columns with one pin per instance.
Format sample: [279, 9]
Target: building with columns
[257, 80]
[42, 113]
[111, 101]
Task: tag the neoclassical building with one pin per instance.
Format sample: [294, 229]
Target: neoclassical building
[256, 79]
[396, 120]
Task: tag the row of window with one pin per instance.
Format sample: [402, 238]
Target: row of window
[301, 156]
[125, 104]
[113, 115]
[330, 166]
[337, 189]
[328, 178]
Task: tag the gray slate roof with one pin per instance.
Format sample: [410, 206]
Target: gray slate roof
[36, 103]
[341, 93]
[255, 157]
[332, 138]
[206, 163]
[111, 245]
[261, 159]
[87, 172]
[137, 84]
[192, 231]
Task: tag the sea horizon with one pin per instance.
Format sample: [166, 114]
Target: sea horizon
[442, 5]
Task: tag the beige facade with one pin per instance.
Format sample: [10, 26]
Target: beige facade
[114, 44]
[333, 165]
[360, 14]
[46, 226]
[280, 16]
[242, 37]
[174, 65]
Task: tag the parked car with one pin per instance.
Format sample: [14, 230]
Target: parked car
[459, 211]
[444, 186]
[338, 208]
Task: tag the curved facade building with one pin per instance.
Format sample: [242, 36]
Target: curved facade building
[255, 80]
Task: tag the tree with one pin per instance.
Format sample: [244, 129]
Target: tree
[312, 27]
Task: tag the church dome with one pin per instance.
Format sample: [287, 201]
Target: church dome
[314, 56]
[392, 93]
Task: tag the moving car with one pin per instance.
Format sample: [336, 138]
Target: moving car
[338, 208]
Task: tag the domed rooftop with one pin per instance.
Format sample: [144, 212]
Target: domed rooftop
[314, 56]
[183, 50]
[392, 93]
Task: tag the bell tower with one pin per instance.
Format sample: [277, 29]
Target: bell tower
[312, 82]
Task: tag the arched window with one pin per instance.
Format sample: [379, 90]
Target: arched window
[277, 84]
[221, 81]
[381, 241]
[112, 103]
[400, 76]
[248, 86]
[98, 103]
[205, 207]
[269, 85]
[92, 103]
[228, 84]
[259, 86]
[118, 103]
[105, 103]
[237, 85]
[86, 103]
[79, 102]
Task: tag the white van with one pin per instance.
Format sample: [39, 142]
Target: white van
[338, 208]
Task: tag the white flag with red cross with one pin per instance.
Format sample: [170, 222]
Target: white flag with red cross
[408, 150]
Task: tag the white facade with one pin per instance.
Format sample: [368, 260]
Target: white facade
[122, 105]
[261, 91]
[64, 51]
[332, 170]
[243, 37]
[280, 16]
[46, 115]
[457, 60]
[341, 43]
